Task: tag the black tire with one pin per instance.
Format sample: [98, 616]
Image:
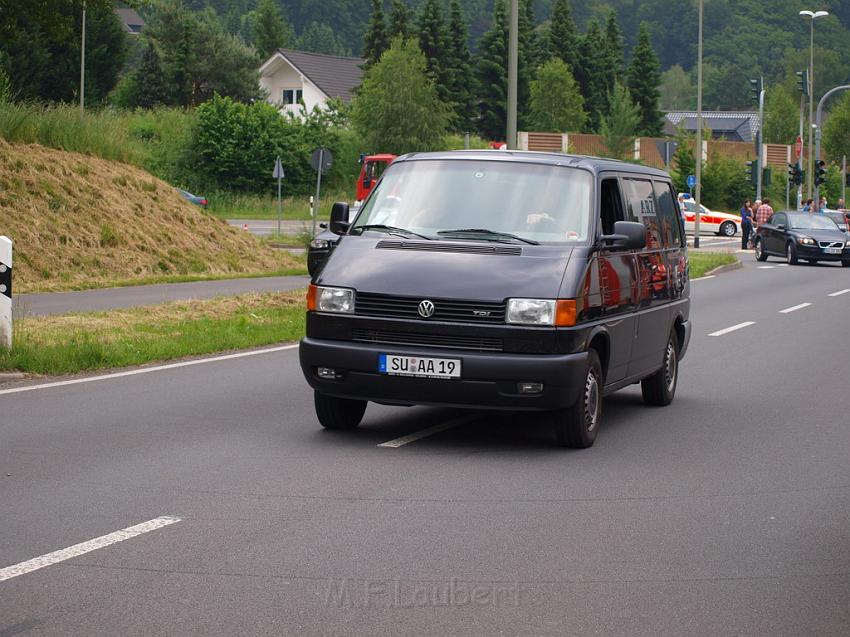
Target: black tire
[845, 264]
[576, 426]
[660, 388]
[758, 245]
[728, 229]
[338, 413]
[791, 254]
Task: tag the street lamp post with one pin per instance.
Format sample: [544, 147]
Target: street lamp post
[513, 57]
[812, 16]
[817, 126]
[698, 151]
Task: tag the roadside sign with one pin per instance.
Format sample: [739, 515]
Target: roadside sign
[322, 157]
[799, 147]
[666, 149]
[692, 181]
[278, 174]
[278, 169]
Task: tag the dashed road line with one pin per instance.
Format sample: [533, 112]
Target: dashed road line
[734, 328]
[430, 431]
[85, 547]
[788, 310]
[767, 267]
[840, 292]
[146, 370]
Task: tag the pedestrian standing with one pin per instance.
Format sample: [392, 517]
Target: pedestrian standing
[807, 207]
[763, 212]
[746, 223]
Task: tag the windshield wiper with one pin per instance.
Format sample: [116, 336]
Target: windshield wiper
[484, 232]
[392, 230]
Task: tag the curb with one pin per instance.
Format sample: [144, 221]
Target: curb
[8, 377]
[729, 267]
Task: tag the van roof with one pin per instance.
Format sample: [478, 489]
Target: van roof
[594, 164]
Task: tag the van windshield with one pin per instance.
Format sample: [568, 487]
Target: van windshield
[481, 200]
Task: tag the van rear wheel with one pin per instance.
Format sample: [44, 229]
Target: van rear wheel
[660, 388]
[338, 413]
[576, 426]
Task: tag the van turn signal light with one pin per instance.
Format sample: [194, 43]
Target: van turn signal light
[565, 313]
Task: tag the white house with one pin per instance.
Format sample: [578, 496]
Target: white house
[297, 77]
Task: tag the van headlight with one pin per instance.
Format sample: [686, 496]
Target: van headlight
[319, 244]
[326, 299]
[560, 313]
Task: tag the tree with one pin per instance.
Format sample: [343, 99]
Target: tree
[375, 42]
[677, 92]
[460, 75]
[613, 47]
[318, 37]
[619, 128]
[556, 103]
[528, 59]
[398, 109]
[147, 83]
[433, 39]
[399, 20]
[269, 29]
[643, 80]
[781, 116]
[590, 74]
[684, 162]
[106, 52]
[493, 76]
[836, 130]
[563, 41]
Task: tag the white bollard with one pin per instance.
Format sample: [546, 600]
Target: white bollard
[6, 292]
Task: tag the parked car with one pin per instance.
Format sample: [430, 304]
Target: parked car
[841, 219]
[496, 280]
[721, 223]
[195, 199]
[800, 235]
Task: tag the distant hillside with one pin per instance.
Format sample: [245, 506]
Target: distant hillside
[81, 221]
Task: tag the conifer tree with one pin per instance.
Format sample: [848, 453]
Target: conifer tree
[460, 70]
[269, 30]
[493, 76]
[375, 41]
[149, 88]
[644, 79]
[619, 127]
[589, 73]
[527, 60]
[614, 47]
[399, 20]
[433, 40]
[563, 41]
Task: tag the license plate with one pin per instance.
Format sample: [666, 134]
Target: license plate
[832, 250]
[399, 365]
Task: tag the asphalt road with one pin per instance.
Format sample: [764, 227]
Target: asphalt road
[727, 513]
[265, 227]
[112, 298]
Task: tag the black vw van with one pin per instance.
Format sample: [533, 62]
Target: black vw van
[502, 280]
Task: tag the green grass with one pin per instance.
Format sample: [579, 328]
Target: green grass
[74, 343]
[702, 262]
[228, 205]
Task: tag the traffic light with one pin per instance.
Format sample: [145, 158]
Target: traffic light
[803, 82]
[795, 174]
[847, 179]
[820, 172]
[755, 90]
[753, 171]
[766, 174]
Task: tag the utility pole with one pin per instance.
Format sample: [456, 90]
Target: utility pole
[513, 62]
[83, 63]
[698, 153]
[760, 175]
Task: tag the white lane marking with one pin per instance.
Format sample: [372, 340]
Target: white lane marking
[739, 326]
[146, 370]
[430, 431]
[703, 278]
[767, 267]
[85, 547]
[788, 310]
[781, 265]
[839, 293]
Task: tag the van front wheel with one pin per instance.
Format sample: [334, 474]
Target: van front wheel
[660, 388]
[576, 426]
[338, 413]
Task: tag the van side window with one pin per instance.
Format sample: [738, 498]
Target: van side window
[641, 208]
[611, 206]
[668, 216]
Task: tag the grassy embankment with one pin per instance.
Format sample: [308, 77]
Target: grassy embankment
[79, 222]
[81, 342]
[702, 262]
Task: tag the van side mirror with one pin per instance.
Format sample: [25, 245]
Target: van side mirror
[628, 235]
[339, 218]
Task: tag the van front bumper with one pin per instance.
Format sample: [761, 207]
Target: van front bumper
[489, 380]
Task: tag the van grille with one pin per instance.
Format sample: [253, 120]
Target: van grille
[474, 343]
[405, 307]
[439, 246]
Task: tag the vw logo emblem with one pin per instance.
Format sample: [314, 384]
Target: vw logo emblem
[426, 309]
